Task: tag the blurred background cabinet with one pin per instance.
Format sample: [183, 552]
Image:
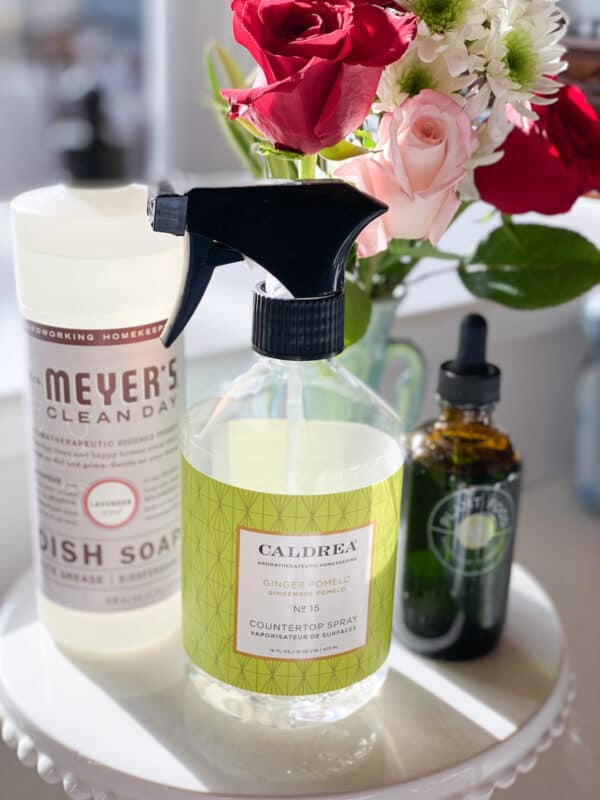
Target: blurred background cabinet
[584, 46]
[128, 71]
[131, 73]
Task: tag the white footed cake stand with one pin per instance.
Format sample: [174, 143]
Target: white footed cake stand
[136, 729]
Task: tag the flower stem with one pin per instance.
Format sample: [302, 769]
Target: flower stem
[308, 168]
[427, 250]
[277, 168]
[433, 274]
[421, 249]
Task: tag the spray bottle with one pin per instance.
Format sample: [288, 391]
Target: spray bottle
[291, 480]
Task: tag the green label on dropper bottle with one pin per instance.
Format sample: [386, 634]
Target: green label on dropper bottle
[288, 595]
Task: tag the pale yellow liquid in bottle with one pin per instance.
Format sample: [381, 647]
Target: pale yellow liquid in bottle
[299, 458]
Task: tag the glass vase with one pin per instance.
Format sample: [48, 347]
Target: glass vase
[378, 356]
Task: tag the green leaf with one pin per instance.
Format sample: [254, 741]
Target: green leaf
[366, 137]
[419, 249]
[280, 168]
[240, 139]
[250, 128]
[389, 265]
[532, 266]
[343, 150]
[235, 77]
[213, 79]
[358, 313]
[488, 216]
[268, 149]
[243, 143]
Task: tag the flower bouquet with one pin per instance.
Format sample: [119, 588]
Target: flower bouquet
[429, 105]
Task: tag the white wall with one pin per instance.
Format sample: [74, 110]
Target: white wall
[186, 136]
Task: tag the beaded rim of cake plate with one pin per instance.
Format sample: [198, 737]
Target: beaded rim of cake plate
[33, 756]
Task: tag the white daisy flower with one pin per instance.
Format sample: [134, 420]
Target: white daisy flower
[409, 76]
[523, 52]
[449, 28]
[493, 56]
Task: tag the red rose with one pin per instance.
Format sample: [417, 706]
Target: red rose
[548, 167]
[320, 61]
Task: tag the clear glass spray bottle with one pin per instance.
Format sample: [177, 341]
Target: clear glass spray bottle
[291, 479]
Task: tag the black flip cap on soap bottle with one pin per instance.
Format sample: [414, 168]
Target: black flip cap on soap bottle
[301, 232]
[469, 380]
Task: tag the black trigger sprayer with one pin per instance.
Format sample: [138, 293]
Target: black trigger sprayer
[300, 232]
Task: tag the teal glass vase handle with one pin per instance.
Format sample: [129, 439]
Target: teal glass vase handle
[409, 388]
[376, 356]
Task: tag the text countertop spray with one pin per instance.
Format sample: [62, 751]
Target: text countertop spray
[95, 286]
[462, 486]
[292, 479]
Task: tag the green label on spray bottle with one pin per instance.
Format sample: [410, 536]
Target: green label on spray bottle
[284, 594]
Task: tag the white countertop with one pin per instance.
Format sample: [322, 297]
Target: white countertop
[463, 730]
[557, 541]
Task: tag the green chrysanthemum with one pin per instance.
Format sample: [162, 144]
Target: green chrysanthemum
[441, 16]
[523, 54]
[416, 79]
[520, 59]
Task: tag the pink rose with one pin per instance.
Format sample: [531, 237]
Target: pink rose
[426, 145]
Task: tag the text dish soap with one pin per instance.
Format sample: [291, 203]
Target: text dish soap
[462, 482]
[292, 479]
[95, 287]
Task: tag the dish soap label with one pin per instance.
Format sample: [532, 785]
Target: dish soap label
[284, 594]
[105, 412]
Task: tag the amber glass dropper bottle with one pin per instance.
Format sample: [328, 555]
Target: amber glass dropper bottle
[462, 481]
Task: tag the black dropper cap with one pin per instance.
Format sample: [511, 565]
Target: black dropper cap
[469, 380]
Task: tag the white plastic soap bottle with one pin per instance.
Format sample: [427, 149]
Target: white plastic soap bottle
[95, 287]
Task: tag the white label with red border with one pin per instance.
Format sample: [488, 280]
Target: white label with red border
[111, 503]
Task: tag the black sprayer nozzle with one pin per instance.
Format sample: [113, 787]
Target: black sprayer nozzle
[469, 380]
[301, 232]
